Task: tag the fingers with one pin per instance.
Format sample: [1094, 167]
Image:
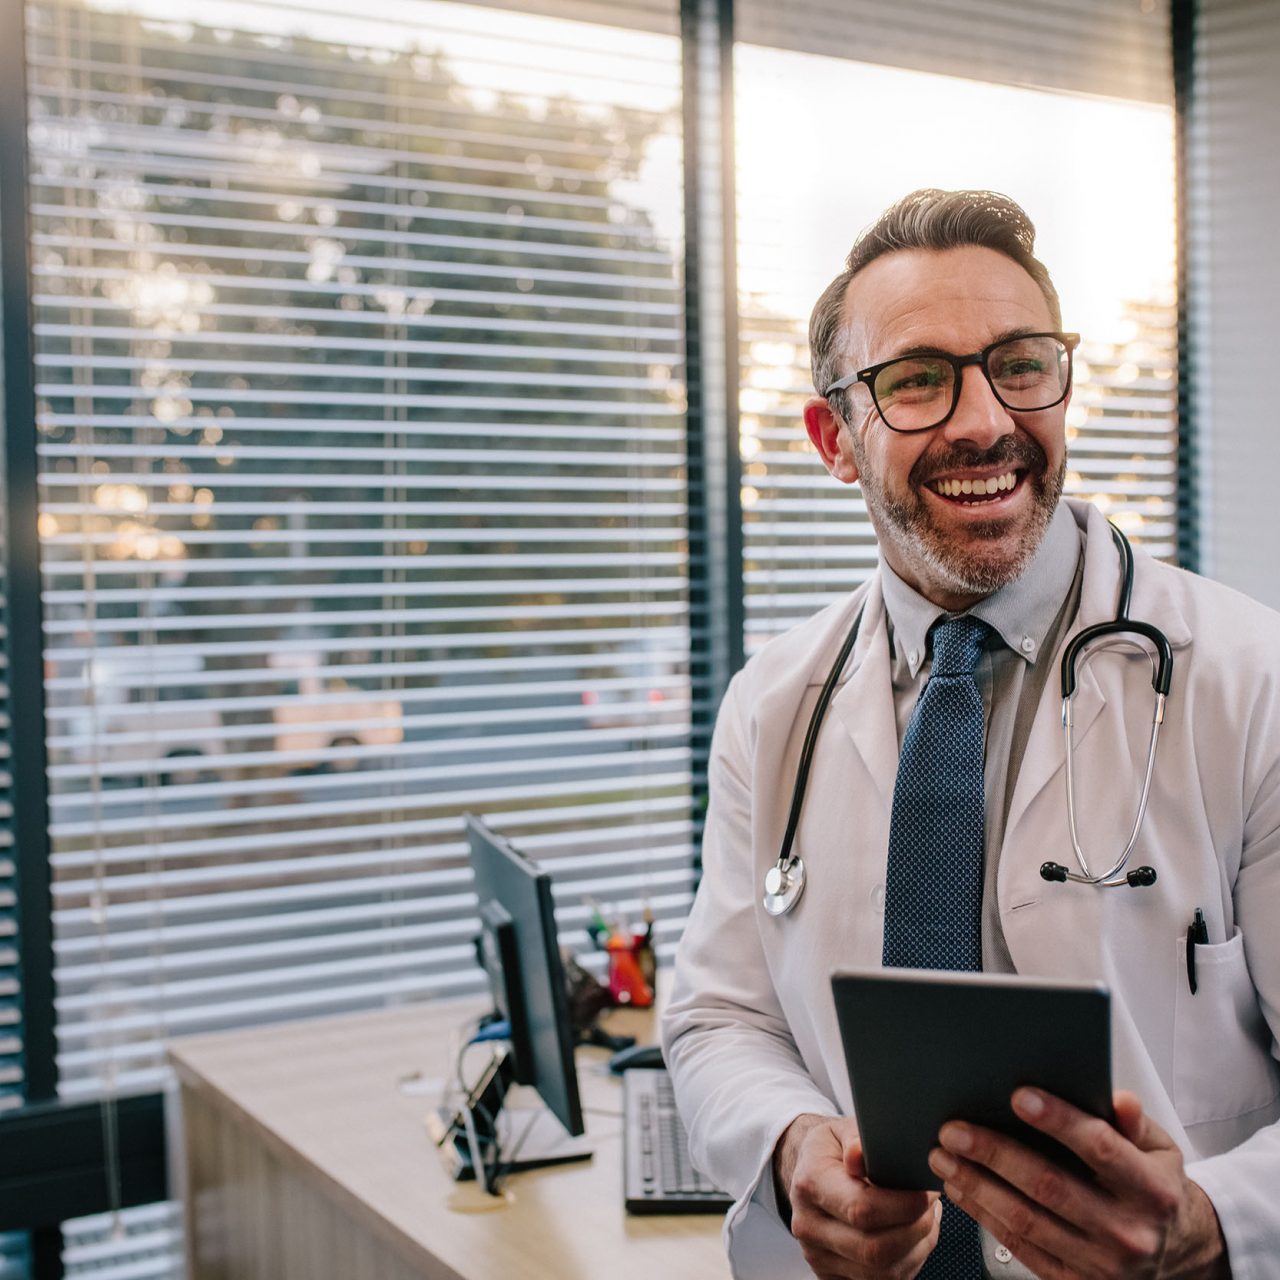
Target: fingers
[1062, 1223]
[1136, 1125]
[832, 1249]
[1100, 1237]
[1053, 1251]
[823, 1180]
[849, 1228]
[1025, 1198]
[857, 1203]
[1043, 1220]
[855, 1166]
[1123, 1165]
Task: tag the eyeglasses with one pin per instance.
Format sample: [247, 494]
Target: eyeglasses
[920, 392]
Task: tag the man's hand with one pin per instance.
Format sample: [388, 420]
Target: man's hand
[1141, 1218]
[846, 1227]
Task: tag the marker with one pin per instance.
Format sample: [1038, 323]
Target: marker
[597, 927]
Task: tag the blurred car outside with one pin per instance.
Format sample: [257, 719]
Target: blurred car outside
[320, 713]
[141, 708]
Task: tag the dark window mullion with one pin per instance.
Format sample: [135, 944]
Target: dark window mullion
[715, 511]
[23, 636]
[22, 574]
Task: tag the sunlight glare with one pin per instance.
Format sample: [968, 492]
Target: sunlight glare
[824, 145]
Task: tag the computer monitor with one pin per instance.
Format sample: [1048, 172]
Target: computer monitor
[519, 950]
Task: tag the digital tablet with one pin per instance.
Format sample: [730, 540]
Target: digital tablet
[925, 1046]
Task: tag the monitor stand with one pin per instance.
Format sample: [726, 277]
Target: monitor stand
[536, 1139]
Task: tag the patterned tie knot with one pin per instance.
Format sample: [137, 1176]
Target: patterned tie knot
[957, 645]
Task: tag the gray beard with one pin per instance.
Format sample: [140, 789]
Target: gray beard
[966, 571]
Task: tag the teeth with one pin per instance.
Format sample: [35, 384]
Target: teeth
[976, 488]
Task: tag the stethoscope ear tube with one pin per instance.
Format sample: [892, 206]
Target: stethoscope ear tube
[1162, 676]
[1162, 672]
[1138, 878]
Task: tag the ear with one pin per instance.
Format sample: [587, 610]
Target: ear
[831, 439]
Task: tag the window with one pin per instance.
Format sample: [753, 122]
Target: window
[359, 354]
[1096, 174]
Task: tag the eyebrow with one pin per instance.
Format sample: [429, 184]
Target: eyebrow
[1006, 335]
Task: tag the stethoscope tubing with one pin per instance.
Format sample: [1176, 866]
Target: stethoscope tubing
[811, 737]
[785, 880]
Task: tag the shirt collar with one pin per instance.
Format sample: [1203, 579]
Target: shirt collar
[1020, 613]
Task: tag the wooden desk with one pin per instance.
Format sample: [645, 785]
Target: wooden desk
[306, 1159]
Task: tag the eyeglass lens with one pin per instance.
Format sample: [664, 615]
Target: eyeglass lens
[917, 392]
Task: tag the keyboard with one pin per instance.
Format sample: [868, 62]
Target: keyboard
[658, 1175]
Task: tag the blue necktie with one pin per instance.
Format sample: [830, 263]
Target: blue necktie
[933, 888]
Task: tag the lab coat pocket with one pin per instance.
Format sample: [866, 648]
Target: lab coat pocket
[1222, 1065]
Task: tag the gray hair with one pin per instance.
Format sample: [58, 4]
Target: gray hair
[926, 219]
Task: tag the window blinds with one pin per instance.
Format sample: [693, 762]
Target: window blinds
[1232, 190]
[144, 1243]
[362, 497]
[1115, 48]
[818, 140]
[658, 16]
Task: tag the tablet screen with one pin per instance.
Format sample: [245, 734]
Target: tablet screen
[925, 1046]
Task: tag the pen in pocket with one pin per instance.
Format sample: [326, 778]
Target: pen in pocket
[1197, 935]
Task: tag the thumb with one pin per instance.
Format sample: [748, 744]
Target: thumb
[853, 1162]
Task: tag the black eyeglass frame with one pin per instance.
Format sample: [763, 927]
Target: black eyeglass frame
[958, 363]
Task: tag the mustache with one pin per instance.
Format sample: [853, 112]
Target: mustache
[1011, 450]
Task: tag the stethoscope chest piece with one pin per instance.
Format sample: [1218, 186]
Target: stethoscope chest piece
[783, 885]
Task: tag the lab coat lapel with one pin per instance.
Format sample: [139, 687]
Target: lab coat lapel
[864, 703]
[1045, 756]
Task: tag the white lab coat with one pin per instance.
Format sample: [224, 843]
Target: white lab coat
[750, 1032]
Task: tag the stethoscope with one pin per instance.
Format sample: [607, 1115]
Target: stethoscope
[784, 882]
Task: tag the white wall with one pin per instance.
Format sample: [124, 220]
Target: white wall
[1234, 224]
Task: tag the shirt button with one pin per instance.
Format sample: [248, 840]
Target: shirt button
[1003, 1254]
[877, 897]
[914, 658]
[1028, 645]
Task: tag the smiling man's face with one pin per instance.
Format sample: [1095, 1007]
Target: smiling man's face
[952, 547]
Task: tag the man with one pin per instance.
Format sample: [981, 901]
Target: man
[961, 465]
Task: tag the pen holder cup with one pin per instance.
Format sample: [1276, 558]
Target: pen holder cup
[631, 971]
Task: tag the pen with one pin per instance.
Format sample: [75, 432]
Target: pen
[1197, 934]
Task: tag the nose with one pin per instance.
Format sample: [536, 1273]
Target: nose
[979, 418]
